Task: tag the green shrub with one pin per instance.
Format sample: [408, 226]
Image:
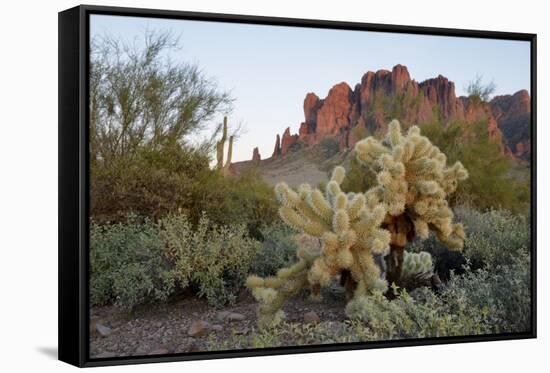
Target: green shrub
[477, 302]
[495, 237]
[278, 250]
[215, 259]
[148, 183]
[492, 182]
[139, 261]
[244, 198]
[359, 178]
[359, 132]
[502, 293]
[155, 183]
[405, 317]
[127, 266]
[329, 147]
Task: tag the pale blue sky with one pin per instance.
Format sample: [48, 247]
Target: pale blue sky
[269, 69]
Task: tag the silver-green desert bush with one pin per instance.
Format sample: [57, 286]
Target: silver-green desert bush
[139, 261]
[214, 258]
[278, 250]
[405, 317]
[494, 237]
[127, 265]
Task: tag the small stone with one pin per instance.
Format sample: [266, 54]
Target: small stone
[142, 350]
[311, 318]
[222, 315]
[105, 354]
[233, 316]
[242, 331]
[199, 328]
[160, 351]
[116, 323]
[216, 328]
[193, 347]
[102, 329]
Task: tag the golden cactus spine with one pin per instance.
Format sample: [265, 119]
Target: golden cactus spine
[350, 234]
[413, 184]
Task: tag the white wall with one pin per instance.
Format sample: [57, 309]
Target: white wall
[28, 183]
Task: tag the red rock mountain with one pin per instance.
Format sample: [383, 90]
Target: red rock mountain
[513, 115]
[384, 95]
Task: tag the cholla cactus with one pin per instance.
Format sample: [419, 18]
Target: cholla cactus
[413, 182]
[350, 234]
[415, 264]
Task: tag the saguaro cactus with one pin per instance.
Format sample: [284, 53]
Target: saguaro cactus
[413, 183]
[350, 234]
[224, 168]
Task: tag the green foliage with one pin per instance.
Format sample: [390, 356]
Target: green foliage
[494, 237]
[213, 258]
[149, 183]
[278, 250]
[140, 98]
[484, 301]
[502, 293]
[329, 147]
[479, 92]
[138, 261]
[127, 265]
[478, 302]
[359, 132]
[244, 198]
[154, 183]
[358, 178]
[401, 106]
[490, 184]
[405, 317]
[297, 146]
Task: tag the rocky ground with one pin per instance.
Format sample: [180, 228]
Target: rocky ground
[189, 325]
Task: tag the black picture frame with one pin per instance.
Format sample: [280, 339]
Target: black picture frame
[74, 189]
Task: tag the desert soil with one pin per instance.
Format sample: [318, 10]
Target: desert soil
[189, 324]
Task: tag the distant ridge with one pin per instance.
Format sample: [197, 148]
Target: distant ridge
[384, 95]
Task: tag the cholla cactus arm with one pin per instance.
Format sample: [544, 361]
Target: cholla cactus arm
[413, 183]
[349, 230]
[416, 264]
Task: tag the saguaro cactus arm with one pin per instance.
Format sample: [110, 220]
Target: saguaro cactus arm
[220, 145]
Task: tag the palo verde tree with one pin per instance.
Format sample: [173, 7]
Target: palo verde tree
[140, 99]
[413, 185]
[479, 92]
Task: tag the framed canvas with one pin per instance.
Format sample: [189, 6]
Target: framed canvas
[236, 186]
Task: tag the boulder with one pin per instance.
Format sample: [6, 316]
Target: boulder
[199, 328]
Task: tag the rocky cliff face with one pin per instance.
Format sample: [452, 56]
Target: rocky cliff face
[256, 157]
[384, 95]
[513, 115]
